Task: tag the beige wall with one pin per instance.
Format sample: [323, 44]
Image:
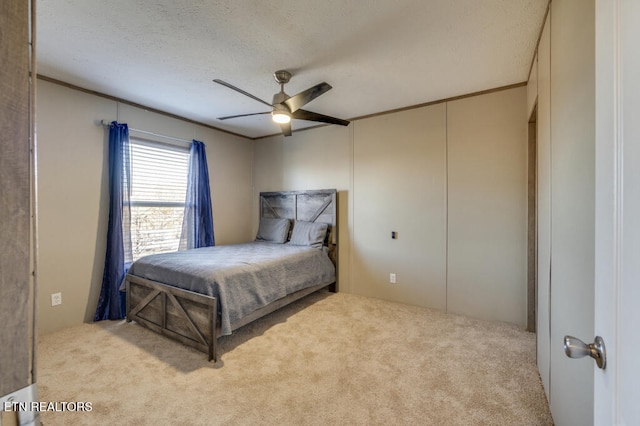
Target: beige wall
[73, 193]
[312, 159]
[399, 185]
[393, 172]
[487, 199]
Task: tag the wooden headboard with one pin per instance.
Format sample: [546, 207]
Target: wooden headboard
[312, 206]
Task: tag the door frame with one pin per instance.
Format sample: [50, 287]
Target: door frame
[532, 222]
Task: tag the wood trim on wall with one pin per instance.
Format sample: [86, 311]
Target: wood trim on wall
[134, 104]
[426, 104]
[454, 98]
[188, 120]
[16, 303]
[535, 52]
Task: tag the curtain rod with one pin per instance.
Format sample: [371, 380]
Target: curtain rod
[108, 123]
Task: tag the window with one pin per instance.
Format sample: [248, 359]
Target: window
[158, 188]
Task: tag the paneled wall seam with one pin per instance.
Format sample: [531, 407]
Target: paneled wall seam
[391, 154]
[446, 207]
[550, 194]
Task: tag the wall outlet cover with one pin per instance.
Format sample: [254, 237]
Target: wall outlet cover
[56, 299]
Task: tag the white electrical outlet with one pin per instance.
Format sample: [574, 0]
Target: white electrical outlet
[392, 278]
[56, 299]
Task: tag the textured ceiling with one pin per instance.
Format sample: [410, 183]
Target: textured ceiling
[378, 55]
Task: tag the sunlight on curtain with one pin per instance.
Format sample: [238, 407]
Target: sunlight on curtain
[197, 229]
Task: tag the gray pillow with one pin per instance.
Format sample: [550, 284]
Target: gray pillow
[308, 234]
[273, 230]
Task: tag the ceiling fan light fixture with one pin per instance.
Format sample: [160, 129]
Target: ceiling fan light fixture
[280, 117]
[284, 108]
[280, 114]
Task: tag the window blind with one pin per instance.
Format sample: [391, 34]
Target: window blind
[158, 188]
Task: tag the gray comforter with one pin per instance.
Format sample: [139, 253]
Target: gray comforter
[243, 277]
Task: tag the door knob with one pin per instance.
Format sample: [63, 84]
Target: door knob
[576, 348]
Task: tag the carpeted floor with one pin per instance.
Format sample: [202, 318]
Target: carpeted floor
[329, 359]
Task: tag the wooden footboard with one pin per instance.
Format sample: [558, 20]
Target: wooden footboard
[182, 315]
[188, 317]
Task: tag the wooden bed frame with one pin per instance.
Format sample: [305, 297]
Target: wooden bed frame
[192, 318]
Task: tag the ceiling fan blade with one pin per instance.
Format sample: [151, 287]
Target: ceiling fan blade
[232, 87]
[243, 115]
[298, 101]
[286, 128]
[302, 114]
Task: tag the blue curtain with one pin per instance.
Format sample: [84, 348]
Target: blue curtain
[197, 225]
[111, 304]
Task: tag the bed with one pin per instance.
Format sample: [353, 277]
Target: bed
[196, 296]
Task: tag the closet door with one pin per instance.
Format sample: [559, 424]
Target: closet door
[572, 206]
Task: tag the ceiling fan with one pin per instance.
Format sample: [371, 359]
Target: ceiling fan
[285, 107]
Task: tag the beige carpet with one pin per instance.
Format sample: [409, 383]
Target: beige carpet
[330, 359]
